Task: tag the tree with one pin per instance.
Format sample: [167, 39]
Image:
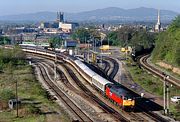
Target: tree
[55, 42]
[4, 40]
[176, 23]
[81, 34]
[132, 37]
[167, 44]
[142, 38]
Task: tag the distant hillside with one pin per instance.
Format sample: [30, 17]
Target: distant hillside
[106, 14]
[168, 45]
[39, 16]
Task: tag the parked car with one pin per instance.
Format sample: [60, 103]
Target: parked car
[175, 99]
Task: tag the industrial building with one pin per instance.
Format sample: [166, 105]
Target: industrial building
[59, 25]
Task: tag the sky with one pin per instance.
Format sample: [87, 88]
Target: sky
[11, 7]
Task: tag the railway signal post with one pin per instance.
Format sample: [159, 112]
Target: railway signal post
[166, 95]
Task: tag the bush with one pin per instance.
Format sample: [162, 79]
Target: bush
[32, 109]
[7, 94]
[15, 56]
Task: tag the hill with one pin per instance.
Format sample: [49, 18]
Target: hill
[168, 45]
[106, 14]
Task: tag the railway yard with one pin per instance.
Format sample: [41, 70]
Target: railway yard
[89, 61]
[76, 90]
[105, 92]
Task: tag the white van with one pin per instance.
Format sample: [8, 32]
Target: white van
[175, 99]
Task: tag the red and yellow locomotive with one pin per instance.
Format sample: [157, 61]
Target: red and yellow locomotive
[121, 96]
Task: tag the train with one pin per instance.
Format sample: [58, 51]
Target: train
[116, 93]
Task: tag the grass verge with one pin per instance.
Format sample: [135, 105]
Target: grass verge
[36, 104]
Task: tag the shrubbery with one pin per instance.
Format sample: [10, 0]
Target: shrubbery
[6, 94]
[168, 44]
[14, 57]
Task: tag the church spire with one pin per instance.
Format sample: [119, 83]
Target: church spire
[158, 24]
[158, 17]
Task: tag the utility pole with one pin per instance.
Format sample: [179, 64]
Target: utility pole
[16, 98]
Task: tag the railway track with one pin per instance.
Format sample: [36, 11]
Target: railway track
[88, 94]
[77, 112]
[62, 76]
[149, 114]
[115, 67]
[144, 110]
[107, 67]
[95, 98]
[157, 72]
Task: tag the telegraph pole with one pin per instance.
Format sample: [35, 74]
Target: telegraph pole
[14, 79]
[16, 98]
